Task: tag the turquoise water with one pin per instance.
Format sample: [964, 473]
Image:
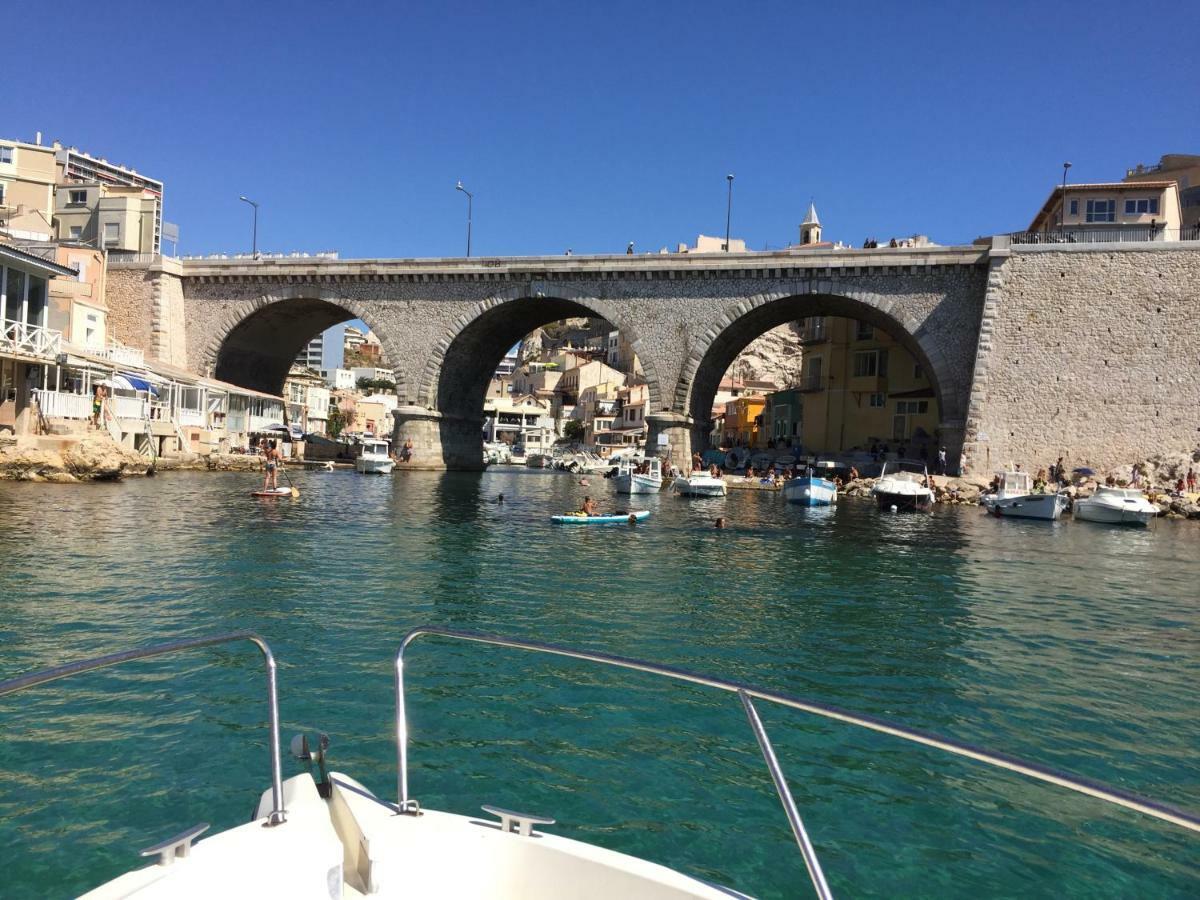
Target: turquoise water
[1072, 644]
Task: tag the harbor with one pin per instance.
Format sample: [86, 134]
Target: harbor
[993, 624]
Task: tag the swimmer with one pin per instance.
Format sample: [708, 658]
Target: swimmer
[499, 498]
[720, 523]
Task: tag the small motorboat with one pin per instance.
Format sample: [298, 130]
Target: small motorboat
[629, 480]
[607, 519]
[1116, 506]
[1016, 499]
[905, 485]
[700, 484]
[373, 458]
[811, 489]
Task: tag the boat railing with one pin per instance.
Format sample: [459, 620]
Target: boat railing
[278, 814]
[747, 694]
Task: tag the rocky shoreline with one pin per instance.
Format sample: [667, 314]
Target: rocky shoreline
[97, 457]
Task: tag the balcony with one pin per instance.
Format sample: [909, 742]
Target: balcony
[814, 334]
[811, 383]
[122, 355]
[19, 338]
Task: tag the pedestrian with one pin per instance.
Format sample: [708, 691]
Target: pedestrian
[941, 463]
[98, 403]
[1191, 480]
[273, 460]
[1135, 475]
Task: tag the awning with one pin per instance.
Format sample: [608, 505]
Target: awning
[919, 393]
[134, 383]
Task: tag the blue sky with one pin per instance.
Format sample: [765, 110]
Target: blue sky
[591, 125]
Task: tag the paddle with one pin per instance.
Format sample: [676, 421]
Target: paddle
[295, 490]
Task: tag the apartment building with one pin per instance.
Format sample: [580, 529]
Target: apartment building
[27, 177]
[1184, 170]
[1114, 212]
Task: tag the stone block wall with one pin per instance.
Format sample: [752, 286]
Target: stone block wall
[1091, 353]
[129, 294]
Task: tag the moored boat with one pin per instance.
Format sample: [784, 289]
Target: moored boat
[1116, 506]
[700, 484]
[903, 484]
[639, 478]
[1016, 499]
[811, 489]
[373, 458]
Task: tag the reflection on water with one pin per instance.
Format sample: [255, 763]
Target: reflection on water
[1072, 643]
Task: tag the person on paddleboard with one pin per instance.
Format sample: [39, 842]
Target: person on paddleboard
[589, 507]
[273, 459]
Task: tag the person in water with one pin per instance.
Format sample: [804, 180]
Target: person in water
[499, 498]
[589, 507]
[273, 460]
[720, 523]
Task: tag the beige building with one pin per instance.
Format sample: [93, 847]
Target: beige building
[1118, 211]
[1184, 170]
[27, 176]
[106, 205]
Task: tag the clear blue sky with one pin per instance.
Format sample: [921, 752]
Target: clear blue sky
[591, 125]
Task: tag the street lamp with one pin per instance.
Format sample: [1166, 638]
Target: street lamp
[254, 238]
[728, 210]
[470, 198]
[1062, 214]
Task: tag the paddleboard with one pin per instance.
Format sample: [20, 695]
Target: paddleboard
[276, 492]
[615, 519]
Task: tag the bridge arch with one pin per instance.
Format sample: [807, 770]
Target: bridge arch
[454, 381]
[256, 341]
[737, 326]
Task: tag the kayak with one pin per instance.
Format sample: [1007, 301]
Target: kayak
[614, 519]
[274, 492]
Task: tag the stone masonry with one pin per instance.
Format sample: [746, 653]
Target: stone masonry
[1016, 342]
[1090, 352]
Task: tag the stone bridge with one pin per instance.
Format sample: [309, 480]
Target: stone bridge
[1010, 337]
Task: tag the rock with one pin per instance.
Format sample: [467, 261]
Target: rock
[23, 464]
[233, 462]
[100, 458]
[60, 478]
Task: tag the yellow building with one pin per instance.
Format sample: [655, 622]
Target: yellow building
[861, 387]
[27, 175]
[1184, 170]
[743, 422]
[1118, 211]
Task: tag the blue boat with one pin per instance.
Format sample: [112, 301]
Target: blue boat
[811, 489]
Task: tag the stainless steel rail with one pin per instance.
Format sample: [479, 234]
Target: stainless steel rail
[278, 814]
[746, 693]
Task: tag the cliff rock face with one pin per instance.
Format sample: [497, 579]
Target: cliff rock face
[774, 356]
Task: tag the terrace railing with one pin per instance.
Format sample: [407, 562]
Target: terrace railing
[1114, 234]
[61, 405]
[29, 340]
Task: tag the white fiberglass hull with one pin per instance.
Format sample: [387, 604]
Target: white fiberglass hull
[1091, 510]
[354, 844]
[638, 484]
[1029, 506]
[370, 466]
[701, 486]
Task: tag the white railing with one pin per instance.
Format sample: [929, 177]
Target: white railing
[130, 408]
[193, 418]
[119, 353]
[57, 405]
[17, 337]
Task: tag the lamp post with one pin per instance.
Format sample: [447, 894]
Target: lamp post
[728, 210]
[254, 237]
[459, 187]
[1062, 214]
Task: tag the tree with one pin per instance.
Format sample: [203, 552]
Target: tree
[573, 430]
[337, 422]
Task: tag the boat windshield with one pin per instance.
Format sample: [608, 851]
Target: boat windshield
[904, 470]
[378, 448]
[1017, 483]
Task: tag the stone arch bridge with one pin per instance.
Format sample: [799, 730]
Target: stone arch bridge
[965, 313]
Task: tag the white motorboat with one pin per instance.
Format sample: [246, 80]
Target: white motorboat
[811, 489]
[1016, 499]
[373, 458]
[904, 485]
[1116, 506]
[639, 478]
[700, 484]
[325, 834]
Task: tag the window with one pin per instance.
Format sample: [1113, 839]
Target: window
[1, 194]
[863, 331]
[870, 363]
[78, 198]
[6, 155]
[1102, 210]
[76, 232]
[1141, 207]
[911, 407]
[878, 400]
[1074, 207]
[112, 232]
